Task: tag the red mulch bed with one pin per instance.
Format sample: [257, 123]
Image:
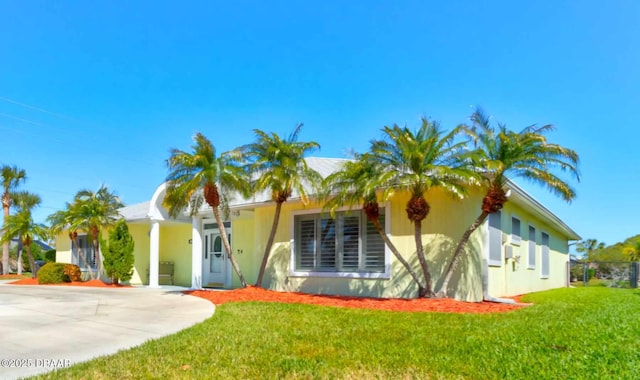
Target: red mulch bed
[252, 293]
[443, 305]
[90, 283]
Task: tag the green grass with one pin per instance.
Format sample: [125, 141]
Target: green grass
[15, 276]
[581, 333]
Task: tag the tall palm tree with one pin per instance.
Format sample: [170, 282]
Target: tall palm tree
[201, 176]
[506, 154]
[279, 168]
[356, 183]
[11, 177]
[22, 224]
[63, 220]
[417, 162]
[24, 201]
[587, 246]
[92, 212]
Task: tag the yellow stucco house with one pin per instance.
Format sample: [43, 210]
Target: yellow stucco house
[522, 249]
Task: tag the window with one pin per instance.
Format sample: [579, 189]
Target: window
[516, 237]
[348, 243]
[544, 256]
[495, 239]
[531, 263]
[83, 254]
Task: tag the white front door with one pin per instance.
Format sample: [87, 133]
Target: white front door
[215, 261]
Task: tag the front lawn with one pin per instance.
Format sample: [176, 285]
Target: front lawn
[15, 276]
[581, 333]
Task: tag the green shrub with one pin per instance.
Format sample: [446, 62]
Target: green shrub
[52, 273]
[72, 272]
[118, 253]
[50, 256]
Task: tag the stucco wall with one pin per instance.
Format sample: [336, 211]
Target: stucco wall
[441, 230]
[245, 251]
[514, 276]
[63, 248]
[174, 246]
[140, 234]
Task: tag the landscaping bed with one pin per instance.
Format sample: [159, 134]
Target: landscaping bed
[444, 305]
[90, 283]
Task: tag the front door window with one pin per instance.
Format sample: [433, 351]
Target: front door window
[214, 259]
[216, 252]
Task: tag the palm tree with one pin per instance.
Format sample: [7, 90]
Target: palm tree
[92, 212]
[24, 201]
[62, 220]
[506, 154]
[356, 183]
[587, 246]
[12, 176]
[280, 168]
[201, 176]
[417, 162]
[22, 224]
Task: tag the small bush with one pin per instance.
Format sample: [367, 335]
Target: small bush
[50, 256]
[118, 253]
[72, 272]
[52, 273]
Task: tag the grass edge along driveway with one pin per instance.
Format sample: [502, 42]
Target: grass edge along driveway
[578, 333]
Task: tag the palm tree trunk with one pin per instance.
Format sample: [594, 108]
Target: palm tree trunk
[5, 245]
[458, 253]
[32, 262]
[227, 246]
[421, 289]
[423, 261]
[267, 249]
[96, 250]
[19, 261]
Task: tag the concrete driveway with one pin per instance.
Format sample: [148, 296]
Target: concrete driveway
[46, 327]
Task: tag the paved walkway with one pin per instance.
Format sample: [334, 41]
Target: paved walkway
[44, 327]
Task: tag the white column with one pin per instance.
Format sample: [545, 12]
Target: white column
[196, 252]
[154, 254]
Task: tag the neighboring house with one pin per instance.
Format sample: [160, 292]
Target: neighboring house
[522, 249]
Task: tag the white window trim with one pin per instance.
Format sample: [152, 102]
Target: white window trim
[545, 275]
[515, 239]
[373, 275]
[535, 247]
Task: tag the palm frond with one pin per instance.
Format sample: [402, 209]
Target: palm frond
[278, 165]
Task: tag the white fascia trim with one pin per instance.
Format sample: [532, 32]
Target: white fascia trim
[537, 208]
[369, 275]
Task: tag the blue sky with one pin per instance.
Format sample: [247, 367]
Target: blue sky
[98, 92]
